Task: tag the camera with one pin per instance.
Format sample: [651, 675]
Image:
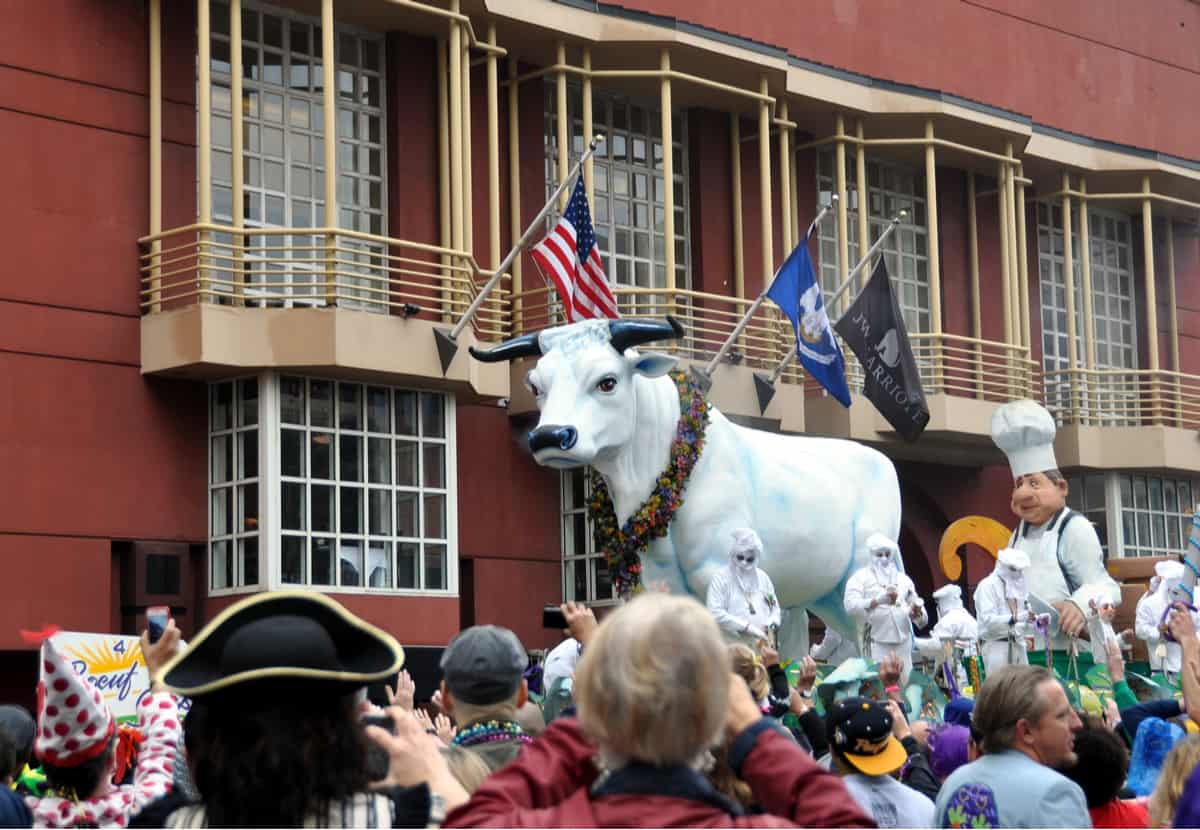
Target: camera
[553, 617]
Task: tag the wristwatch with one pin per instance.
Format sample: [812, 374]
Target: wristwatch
[806, 694]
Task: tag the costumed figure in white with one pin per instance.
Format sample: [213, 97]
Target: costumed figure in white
[741, 596]
[1066, 563]
[1102, 611]
[884, 602]
[1002, 608]
[1165, 656]
[834, 649]
[956, 634]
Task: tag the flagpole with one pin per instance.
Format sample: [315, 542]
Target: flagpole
[524, 240]
[841, 289]
[707, 371]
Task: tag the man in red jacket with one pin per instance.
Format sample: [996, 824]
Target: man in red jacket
[654, 692]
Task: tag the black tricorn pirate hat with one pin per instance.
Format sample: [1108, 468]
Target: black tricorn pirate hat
[293, 636]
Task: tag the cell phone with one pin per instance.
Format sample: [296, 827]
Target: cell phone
[553, 617]
[157, 617]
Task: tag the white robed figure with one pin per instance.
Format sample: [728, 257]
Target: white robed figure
[742, 597]
[834, 649]
[1165, 656]
[1002, 609]
[954, 626]
[1102, 611]
[884, 602]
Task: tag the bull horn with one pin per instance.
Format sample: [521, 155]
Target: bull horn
[524, 346]
[625, 334]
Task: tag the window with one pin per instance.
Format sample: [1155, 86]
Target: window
[366, 486]
[891, 188]
[358, 491]
[629, 213]
[1113, 310]
[1136, 514]
[585, 571]
[283, 149]
[233, 484]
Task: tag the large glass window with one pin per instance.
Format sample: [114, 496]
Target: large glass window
[1113, 309]
[357, 491]
[585, 571]
[233, 491]
[1136, 514]
[283, 149]
[891, 188]
[629, 213]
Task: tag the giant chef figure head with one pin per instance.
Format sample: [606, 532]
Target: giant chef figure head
[1024, 430]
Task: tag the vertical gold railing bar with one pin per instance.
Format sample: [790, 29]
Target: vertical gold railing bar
[1151, 297]
[843, 223]
[935, 262]
[1173, 323]
[1069, 284]
[156, 143]
[1089, 392]
[860, 186]
[204, 142]
[454, 116]
[795, 194]
[1023, 277]
[329, 100]
[668, 171]
[1005, 260]
[785, 182]
[589, 166]
[973, 261]
[445, 187]
[764, 162]
[468, 152]
[514, 191]
[493, 138]
[735, 168]
[562, 133]
[236, 127]
[1010, 216]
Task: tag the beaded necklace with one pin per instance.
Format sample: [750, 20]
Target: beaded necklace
[490, 732]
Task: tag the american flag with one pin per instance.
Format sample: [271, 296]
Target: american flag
[568, 257]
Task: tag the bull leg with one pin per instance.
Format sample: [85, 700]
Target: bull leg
[793, 634]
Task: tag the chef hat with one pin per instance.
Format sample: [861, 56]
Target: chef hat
[877, 542]
[950, 591]
[745, 540]
[74, 723]
[1013, 558]
[1024, 430]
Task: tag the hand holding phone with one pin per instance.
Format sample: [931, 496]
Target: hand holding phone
[156, 621]
[553, 617]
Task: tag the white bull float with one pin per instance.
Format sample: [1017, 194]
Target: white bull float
[813, 501]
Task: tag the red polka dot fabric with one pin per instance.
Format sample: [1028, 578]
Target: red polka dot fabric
[75, 722]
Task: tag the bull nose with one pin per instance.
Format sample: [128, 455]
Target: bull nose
[552, 436]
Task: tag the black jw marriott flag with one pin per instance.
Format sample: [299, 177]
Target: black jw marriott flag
[873, 328]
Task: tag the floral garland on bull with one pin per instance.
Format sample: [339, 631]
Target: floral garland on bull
[623, 544]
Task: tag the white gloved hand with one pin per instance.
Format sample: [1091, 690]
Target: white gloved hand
[756, 632]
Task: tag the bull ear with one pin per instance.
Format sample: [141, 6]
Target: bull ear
[653, 364]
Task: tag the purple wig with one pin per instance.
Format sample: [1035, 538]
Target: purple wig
[948, 748]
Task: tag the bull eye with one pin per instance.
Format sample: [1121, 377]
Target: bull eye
[607, 384]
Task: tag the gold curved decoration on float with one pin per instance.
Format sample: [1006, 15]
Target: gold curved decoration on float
[983, 531]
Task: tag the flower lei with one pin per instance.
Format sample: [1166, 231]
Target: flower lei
[623, 545]
[490, 732]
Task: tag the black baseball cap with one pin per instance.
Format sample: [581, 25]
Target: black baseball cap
[860, 730]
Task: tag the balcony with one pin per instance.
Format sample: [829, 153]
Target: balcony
[218, 300]
[1126, 418]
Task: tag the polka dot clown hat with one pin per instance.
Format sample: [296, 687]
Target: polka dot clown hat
[74, 722]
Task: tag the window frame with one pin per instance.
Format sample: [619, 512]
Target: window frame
[567, 511]
[1115, 510]
[233, 483]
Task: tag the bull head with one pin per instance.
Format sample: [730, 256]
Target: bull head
[584, 384]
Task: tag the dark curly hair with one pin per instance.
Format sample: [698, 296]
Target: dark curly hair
[81, 781]
[1102, 765]
[273, 757]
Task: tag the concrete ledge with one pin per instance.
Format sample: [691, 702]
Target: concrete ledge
[208, 341]
[1128, 448]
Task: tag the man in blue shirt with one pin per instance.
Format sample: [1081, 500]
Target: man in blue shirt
[1026, 730]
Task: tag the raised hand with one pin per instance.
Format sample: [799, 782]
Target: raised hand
[405, 690]
[446, 730]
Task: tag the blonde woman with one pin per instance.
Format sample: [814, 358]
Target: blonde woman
[1180, 763]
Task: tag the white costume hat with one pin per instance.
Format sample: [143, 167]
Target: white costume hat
[1168, 569]
[947, 591]
[877, 542]
[745, 540]
[1013, 558]
[1024, 430]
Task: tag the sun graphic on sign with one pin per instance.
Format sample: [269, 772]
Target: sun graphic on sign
[102, 659]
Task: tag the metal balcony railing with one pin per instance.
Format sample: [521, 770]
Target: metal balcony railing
[1124, 397]
[312, 268]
